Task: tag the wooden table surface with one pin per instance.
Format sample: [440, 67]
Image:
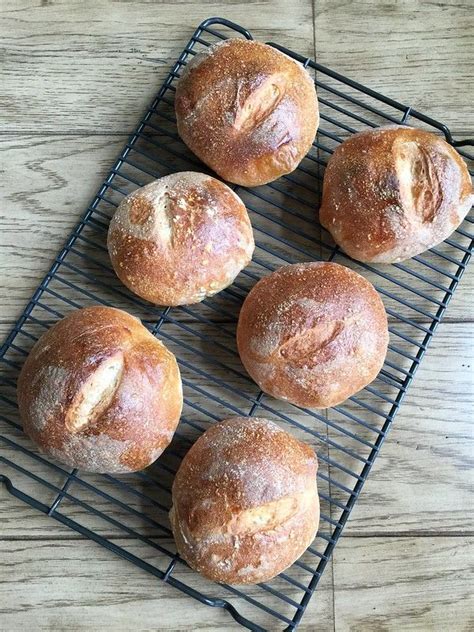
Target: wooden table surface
[76, 76]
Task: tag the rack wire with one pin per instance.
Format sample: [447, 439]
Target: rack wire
[128, 514]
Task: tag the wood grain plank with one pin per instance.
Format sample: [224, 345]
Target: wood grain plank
[42, 200]
[423, 480]
[44, 197]
[81, 586]
[82, 65]
[394, 584]
[418, 53]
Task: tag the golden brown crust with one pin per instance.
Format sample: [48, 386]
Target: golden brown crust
[394, 192]
[245, 501]
[313, 334]
[100, 392]
[179, 239]
[247, 110]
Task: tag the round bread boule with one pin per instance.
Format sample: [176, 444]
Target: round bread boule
[313, 334]
[393, 192]
[245, 501]
[247, 111]
[99, 392]
[180, 239]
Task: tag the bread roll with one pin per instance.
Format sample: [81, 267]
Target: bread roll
[313, 334]
[99, 392]
[248, 111]
[179, 239]
[393, 192]
[245, 501]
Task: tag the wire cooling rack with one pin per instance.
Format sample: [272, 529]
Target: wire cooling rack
[128, 514]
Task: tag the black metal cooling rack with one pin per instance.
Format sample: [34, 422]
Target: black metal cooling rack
[128, 514]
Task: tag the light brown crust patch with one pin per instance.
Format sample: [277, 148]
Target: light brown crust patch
[247, 110]
[394, 192]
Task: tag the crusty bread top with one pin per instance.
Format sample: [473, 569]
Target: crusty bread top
[393, 192]
[243, 475]
[180, 238]
[100, 391]
[245, 501]
[312, 333]
[247, 110]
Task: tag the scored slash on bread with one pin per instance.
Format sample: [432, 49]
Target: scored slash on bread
[96, 394]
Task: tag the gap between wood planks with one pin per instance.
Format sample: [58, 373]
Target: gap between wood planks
[458, 134]
[354, 536]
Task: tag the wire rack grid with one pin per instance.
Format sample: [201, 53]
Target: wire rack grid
[128, 514]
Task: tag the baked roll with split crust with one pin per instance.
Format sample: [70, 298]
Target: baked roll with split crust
[245, 501]
[247, 111]
[99, 392]
[392, 193]
[180, 239]
[313, 334]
